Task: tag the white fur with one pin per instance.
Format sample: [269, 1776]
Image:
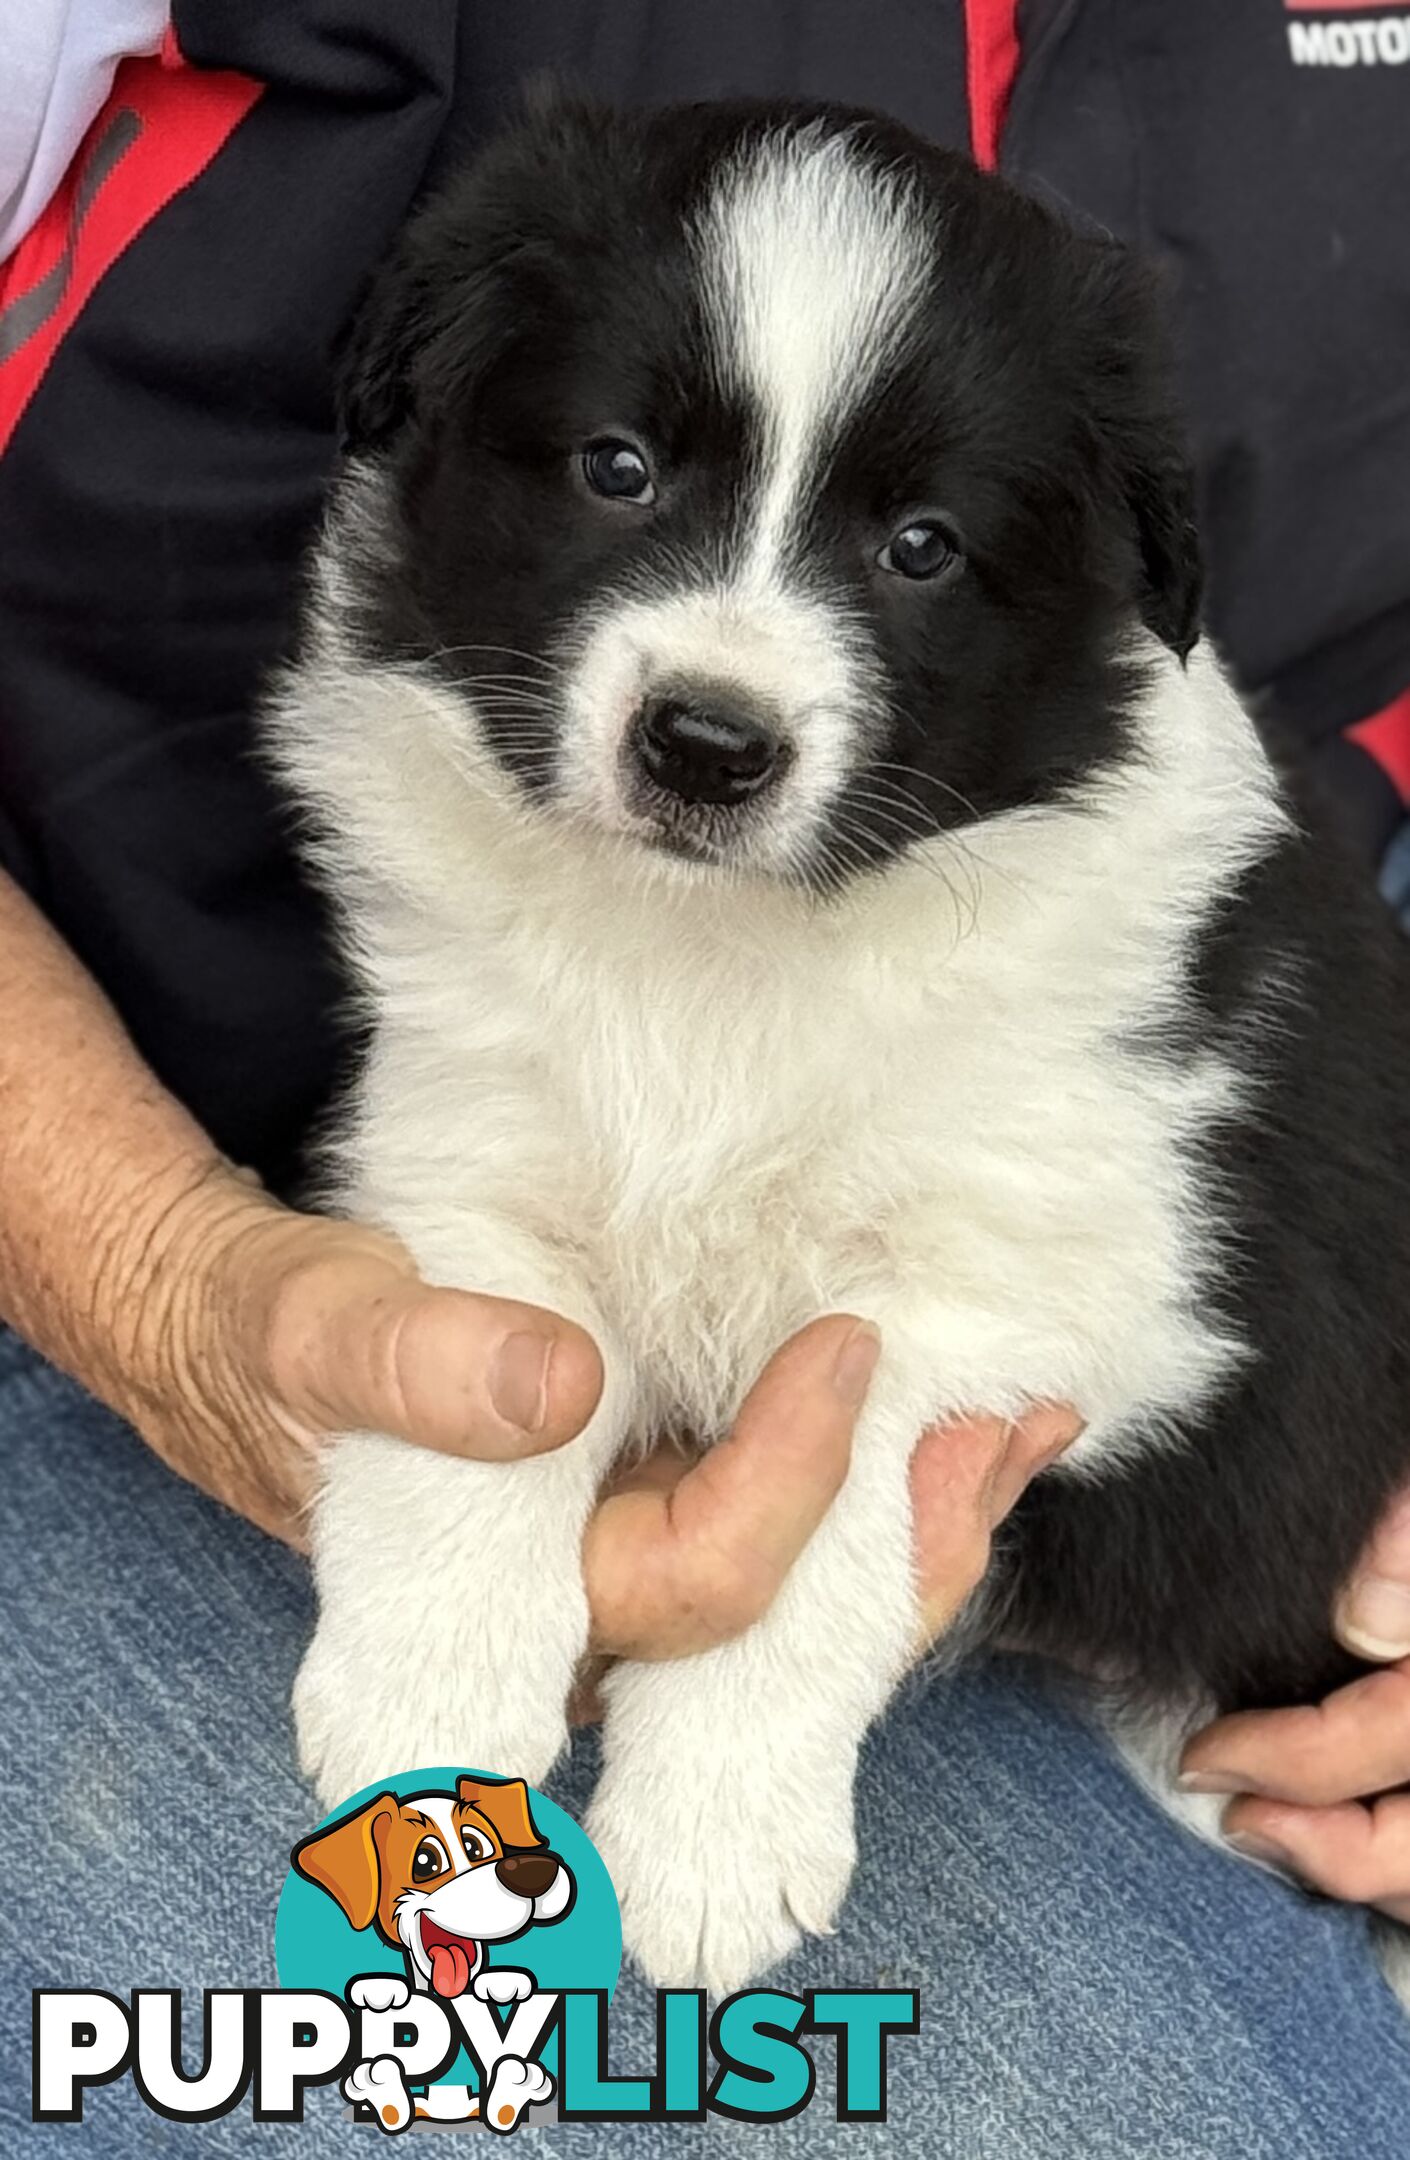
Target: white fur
[514, 2086]
[379, 1991]
[811, 261]
[502, 1984]
[692, 1110]
[380, 2086]
[811, 264]
[692, 1115]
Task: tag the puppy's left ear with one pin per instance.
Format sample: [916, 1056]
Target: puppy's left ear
[505, 1803]
[432, 319]
[374, 364]
[1141, 443]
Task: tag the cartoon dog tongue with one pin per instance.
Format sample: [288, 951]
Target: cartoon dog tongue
[450, 1968]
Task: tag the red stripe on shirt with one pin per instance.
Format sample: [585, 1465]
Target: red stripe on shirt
[991, 48]
[161, 126]
[1386, 737]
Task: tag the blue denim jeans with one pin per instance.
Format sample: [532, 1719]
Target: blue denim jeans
[1094, 1984]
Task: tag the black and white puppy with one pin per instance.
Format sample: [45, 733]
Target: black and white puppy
[798, 855]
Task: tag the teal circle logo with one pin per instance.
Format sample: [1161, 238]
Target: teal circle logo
[445, 1905]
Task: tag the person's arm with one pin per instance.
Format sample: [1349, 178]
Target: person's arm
[230, 1331]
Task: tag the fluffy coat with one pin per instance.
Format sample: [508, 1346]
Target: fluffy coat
[1012, 1011]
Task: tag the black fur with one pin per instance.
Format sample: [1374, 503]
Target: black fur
[545, 299]
[1216, 1564]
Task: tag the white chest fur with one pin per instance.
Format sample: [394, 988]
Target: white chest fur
[692, 1115]
[707, 1112]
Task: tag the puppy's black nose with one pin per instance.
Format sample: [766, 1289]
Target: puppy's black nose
[705, 749]
[527, 1874]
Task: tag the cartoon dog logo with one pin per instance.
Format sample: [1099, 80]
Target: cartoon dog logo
[440, 1875]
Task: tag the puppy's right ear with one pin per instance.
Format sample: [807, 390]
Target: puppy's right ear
[375, 363]
[343, 1860]
[434, 317]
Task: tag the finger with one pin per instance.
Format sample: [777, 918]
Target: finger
[368, 1348]
[756, 1498]
[673, 1572]
[1355, 1743]
[1373, 1612]
[1039, 1438]
[965, 1477]
[952, 1471]
[1358, 1853]
[585, 1705]
[659, 1472]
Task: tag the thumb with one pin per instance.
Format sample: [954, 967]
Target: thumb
[359, 1343]
[1373, 1613]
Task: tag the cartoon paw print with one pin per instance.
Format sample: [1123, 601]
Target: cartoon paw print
[379, 1991]
[501, 1984]
[380, 2086]
[516, 2085]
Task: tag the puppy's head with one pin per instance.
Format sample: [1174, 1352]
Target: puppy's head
[441, 1874]
[771, 489]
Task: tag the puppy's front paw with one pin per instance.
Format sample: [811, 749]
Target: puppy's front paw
[362, 1719]
[718, 1885]
[515, 2085]
[380, 2086]
[379, 1991]
[502, 1984]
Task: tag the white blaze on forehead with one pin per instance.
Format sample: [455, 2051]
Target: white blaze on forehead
[812, 262]
[439, 1811]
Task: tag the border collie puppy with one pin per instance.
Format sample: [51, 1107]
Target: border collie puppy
[798, 855]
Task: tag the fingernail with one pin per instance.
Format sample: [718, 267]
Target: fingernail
[1211, 1781]
[1067, 1430]
[1262, 1849]
[856, 1362]
[1375, 1617]
[519, 1381]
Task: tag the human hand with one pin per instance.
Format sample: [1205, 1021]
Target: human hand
[260, 1332]
[680, 1556]
[1314, 1788]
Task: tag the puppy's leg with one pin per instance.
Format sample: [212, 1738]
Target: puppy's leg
[725, 1808]
[451, 1605]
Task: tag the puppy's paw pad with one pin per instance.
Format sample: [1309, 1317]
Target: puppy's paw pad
[379, 1991]
[515, 2085]
[380, 2086]
[502, 1984]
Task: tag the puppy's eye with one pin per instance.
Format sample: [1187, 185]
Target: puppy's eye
[477, 1846]
[430, 1858]
[619, 471]
[926, 549]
